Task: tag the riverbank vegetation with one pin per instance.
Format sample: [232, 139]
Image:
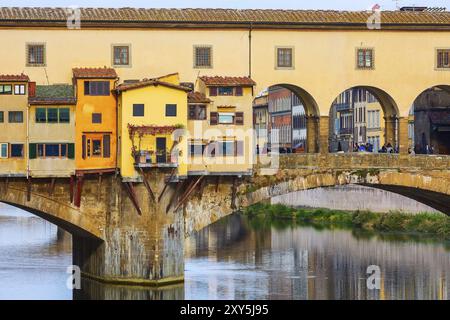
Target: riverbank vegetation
[421, 223]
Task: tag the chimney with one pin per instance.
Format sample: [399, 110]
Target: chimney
[31, 89]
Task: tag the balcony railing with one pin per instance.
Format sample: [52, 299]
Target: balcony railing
[149, 159]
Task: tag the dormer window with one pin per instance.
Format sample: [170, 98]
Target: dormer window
[225, 91]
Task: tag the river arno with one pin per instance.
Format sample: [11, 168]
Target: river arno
[239, 259]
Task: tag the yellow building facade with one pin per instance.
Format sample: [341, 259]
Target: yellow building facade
[152, 117]
[96, 124]
[13, 125]
[51, 131]
[221, 135]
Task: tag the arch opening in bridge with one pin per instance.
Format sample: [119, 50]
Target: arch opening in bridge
[286, 118]
[363, 118]
[429, 122]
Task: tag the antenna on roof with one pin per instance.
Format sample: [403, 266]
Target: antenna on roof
[397, 4]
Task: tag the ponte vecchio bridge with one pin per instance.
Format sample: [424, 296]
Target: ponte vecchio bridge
[111, 240]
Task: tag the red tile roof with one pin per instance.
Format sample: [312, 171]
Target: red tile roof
[226, 17]
[197, 97]
[228, 81]
[94, 73]
[14, 77]
[149, 82]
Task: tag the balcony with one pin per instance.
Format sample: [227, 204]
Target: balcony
[150, 159]
[342, 106]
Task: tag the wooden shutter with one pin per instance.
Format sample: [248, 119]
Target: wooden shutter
[213, 91]
[238, 91]
[106, 146]
[71, 150]
[239, 148]
[239, 119]
[87, 90]
[83, 153]
[32, 150]
[214, 118]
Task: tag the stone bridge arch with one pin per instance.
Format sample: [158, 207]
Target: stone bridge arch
[54, 207]
[423, 178]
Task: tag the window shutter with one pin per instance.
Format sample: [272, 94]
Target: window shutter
[239, 118]
[213, 91]
[106, 146]
[71, 151]
[239, 148]
[213, 118]
[32, 151]
[238, 91]
[83, 147]
[86, 88]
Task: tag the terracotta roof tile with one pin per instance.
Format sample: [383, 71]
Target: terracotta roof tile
[197, 97]
[227, 81]
[149, 82]
[207, 16]
[94, 73]
[14, 77]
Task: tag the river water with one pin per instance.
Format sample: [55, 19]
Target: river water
[238, 258]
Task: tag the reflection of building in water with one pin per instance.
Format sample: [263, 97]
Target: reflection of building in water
[432, 122]
[356, 116]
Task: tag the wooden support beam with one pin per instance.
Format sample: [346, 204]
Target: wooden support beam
[72, 186]
[175, 194]
[79, 190]
[147, 184]
[29, 189]
[167, 183]
[188, 193]
[132, 195]
[233, 193]
[52, 186]
[217, 183]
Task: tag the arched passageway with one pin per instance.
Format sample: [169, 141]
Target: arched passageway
[285, 119]
[429, 122]
[363, 118]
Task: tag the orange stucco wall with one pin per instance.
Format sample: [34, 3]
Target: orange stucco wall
[86, 106]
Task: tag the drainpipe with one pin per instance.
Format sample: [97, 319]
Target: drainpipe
[27, 146]
[117, 126]
[250, 50]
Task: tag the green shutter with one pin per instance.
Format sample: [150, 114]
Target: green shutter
[32, 150]
[71, 151]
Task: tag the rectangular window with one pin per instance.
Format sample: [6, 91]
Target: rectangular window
[202, 57]
[196, 149]
[171, 110]
[285, 58]
[2, 117]
[16, 150]
[226, 118]
[96, 118]
[96, 148]
[227, 148]
[225, 91]
[96, 88]
[121, 55]
[197, 112]
[41, 115]
[49, 150]
[15, 116]
[64, 115]
[365, 59]
[35, 55]
[52, 150]
[238, 91]
[19, 89]
[3, 150]
[443, 58]
[52, 115]
[5, 89]
[138, 110]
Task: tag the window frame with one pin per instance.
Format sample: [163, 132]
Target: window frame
[372, 61]
[15, 112]
[279, 67]
[44, 151]
[436, 59]
[232, 114]
[2, 117]
[97, 114]
[3, 85]
[199, 66]
[20, 91]
[222, 94]
[113, 55]
[196, 110]
[44, 54]
[171, 105]
[138, 114]
[88, 84]
[16, 144]
[7, 150]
